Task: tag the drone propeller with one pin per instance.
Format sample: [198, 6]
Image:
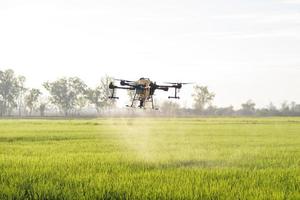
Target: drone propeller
[187, 83]
[123, 80]
[179, 83]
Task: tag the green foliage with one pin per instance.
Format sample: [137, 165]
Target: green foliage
[248, 108]
[206, 158]
[99, 96]
[11, 87]
[66, 93]
[31, 99]
[169, 107]
[202, 97]
[42, 108]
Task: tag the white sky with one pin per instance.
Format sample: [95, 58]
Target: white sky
[241, 49]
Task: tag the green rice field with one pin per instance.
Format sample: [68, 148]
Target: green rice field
[147, 158]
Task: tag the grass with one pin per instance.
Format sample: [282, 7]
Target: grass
[205, 158]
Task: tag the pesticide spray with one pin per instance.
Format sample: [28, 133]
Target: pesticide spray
[135, 136]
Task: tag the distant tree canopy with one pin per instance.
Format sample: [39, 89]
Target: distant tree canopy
[42, 108]
[66, 93]
[11, 87]
[106, 92]
[31, 99]
[202, 97]
[99, 96]
[248, 108]
[169, 107]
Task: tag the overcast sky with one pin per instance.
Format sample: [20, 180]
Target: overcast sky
[240, 49]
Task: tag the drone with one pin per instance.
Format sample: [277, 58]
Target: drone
[144, 90]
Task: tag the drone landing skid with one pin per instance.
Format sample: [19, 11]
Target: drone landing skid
[175, 95]
[142, 102]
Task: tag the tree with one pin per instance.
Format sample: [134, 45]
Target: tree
[81, 103]
[210, 110]
[248, 108]
[20, 98]
[99, 96]
[285, 109]
[31, 99]
[10, 89]
[106, 92]
[271, 107]
[225, 111]
[293, 107]
[169, 107]
[43, 102]
[202, 97]
[272, 110]
[66, 93]
[42, 108]
[297, 109]
[94, 97]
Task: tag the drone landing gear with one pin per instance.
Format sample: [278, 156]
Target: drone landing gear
[175, 95]
[113, 95]
[142, 102]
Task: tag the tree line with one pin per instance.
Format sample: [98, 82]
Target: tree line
[70, 96]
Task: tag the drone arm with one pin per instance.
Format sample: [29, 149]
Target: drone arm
[166, 88]
[113, 88]
[124, 88]
[163, 88]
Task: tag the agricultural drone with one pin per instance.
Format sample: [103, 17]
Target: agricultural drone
[144, 90]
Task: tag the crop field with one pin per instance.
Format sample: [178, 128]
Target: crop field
[146, 158]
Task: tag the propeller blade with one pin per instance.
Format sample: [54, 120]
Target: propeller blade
[170, 83]
[123, 80]
[187, 83]
[179, 83]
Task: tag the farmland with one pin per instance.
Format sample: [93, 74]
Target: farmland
[133, 158]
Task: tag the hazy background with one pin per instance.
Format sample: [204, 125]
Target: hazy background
[241, 49]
